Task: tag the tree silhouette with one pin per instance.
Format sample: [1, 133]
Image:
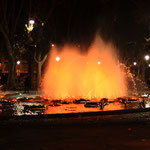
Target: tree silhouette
[11, 27]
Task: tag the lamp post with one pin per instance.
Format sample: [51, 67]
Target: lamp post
[18, 69]
[30, 27]
[146, 75]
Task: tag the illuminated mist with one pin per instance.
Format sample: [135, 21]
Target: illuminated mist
[71, 74]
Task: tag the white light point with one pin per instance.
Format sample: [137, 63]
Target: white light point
[31, 21]
[18, 62]
[57, 59]
[147, 57]
[98, 62]
[134, 63]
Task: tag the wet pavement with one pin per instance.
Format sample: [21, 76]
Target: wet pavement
[117, 132]
[114, 131]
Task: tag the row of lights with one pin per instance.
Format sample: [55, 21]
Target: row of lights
[58, 59]
[134, 63]
[147, 57]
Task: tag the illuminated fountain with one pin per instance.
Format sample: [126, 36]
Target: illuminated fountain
[71, 74]
[130, 80]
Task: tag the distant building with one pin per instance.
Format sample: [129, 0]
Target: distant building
[21, 69]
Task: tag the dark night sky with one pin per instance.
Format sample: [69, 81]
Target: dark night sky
[77, 21]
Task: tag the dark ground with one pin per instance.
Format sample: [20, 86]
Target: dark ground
[111, 132]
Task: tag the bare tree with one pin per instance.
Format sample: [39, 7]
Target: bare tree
[10, 14]
[41, 35]
[40, 61]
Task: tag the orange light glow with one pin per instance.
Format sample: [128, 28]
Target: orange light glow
[80, 75]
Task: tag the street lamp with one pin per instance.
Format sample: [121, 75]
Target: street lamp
[134, 63]
[31, 21]
[53, 45]
[18, 69]
[18, 62]
[147, 57]
[30, 25]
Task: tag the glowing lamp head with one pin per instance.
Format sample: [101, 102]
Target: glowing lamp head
[18, 62]
[134, 63]
[31, 22]
[147, 57]
[57, 59]
[53, 45]
[98, 62]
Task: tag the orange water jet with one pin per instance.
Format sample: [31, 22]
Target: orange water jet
[71, 74]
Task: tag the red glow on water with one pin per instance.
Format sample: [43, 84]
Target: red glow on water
[72, 74]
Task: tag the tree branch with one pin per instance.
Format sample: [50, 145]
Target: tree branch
[44, 59]
[50, 10]
[8, 44]
[18, 16]
[4, 7]
[35, 57]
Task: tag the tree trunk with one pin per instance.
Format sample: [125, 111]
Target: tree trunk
[143, 72]
[12, 73]
[138, 72]
[40, 63]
